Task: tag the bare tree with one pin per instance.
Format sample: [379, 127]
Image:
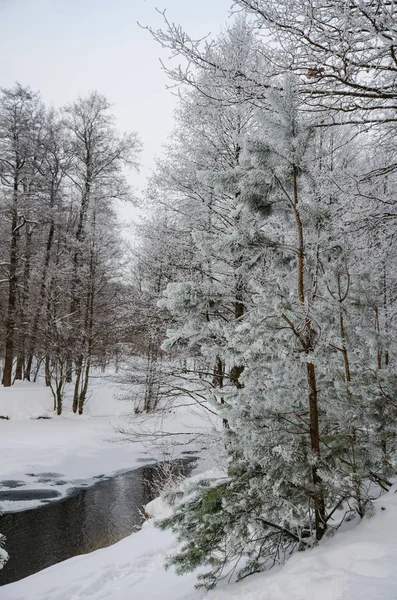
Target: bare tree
[99, 157]
[20, 122]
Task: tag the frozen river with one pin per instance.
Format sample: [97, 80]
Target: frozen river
[88, 519]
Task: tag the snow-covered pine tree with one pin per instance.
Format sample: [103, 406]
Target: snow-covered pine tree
[298, 438]
[222, 240]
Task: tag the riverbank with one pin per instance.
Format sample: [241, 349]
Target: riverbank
[45, 458]
[89, 519]
[354, 565]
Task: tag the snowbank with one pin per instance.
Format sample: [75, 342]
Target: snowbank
[355, 565]
[160, 509]
[25, 400]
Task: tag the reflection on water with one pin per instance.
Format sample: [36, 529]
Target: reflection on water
[90, 519]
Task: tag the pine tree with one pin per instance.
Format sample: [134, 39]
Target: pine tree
[299, 435]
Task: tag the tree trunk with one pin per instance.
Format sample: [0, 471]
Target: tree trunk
[12, 293]
[319, 503]
[80, 394]
[217, 380]
[38, 365]
[57, 388]
[307, 342]
[83, 394]
[47, 371]
[33, 337]
[234, 376]
[152, 378]
[19, 367]
[75, 304]
[239, 308]
[76, 394]
[59, 394]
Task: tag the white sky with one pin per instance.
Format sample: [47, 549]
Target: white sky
[66, 48]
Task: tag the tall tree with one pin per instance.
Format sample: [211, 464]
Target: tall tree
[20, 124]
[304, 202]
[99, 156]
[296, 436]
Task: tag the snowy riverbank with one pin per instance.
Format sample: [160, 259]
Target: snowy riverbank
[355, 565]
[68, 451]
[58, 454]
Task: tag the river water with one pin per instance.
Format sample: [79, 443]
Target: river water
[88, 519]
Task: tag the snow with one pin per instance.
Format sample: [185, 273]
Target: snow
[63, 452]
[358, 564]
[160, 509]
[25, 400]
[3, 556]
[354, 565]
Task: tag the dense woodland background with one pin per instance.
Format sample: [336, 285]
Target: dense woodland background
[264, 272]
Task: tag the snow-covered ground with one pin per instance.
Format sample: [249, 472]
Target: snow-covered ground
[61, 453]
[359, 564]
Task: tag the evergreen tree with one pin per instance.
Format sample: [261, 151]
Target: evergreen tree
[301, 438]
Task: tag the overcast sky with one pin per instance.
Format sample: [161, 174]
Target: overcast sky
[66, 48]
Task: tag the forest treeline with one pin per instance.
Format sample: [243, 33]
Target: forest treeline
[61, 173]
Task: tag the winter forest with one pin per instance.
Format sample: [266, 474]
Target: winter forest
[260, 287]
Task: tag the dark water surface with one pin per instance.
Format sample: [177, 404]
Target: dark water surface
[89, 519]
